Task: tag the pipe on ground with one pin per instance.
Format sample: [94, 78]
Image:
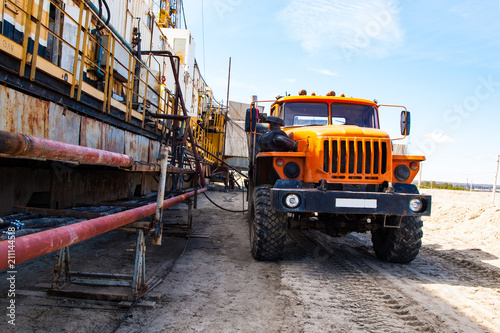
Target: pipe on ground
[29, 146]
[35, 245]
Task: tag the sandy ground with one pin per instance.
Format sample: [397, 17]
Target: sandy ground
[322, 284]
[465, 220]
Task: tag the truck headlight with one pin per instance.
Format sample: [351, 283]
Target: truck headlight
[291, 170]
[417, 205]
[292, 200]
[402, 173]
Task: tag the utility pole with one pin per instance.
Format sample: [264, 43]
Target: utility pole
[227, 108]
[495, 182]
[226, 118]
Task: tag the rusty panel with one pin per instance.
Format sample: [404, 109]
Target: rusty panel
[91, 133]
[136, 146]
[11, 109]
[143, 149]
[35, 117]
[64, 125]
[22, 113]
[154, 149]
[114, 139]
[130, 145]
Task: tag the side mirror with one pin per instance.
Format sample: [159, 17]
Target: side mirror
[405, 123]
[251, 118]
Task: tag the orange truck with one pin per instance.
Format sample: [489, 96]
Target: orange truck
[322, 162]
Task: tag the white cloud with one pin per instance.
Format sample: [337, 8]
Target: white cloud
[326, 72]
[439, 137]
[461, 11]
[290, 80]
[344, 28]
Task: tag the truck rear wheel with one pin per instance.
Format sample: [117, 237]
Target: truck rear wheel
[267, 226]
[399, 245]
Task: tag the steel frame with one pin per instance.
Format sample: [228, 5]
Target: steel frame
[64, 280]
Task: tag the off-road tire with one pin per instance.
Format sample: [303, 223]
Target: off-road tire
[267, 226]
[399, 245]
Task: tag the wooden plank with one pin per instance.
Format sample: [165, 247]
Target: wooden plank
[87, 88]
[119, 105]
[136, 115]
[54, 70]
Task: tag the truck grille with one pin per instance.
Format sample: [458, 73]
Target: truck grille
[355, 158]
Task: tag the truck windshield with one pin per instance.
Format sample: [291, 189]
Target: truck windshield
[303, 114]
[354, 114]
[311, 113]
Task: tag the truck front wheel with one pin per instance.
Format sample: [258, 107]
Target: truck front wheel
[267, 226]
[399, 245]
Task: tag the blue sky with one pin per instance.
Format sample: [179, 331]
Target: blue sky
[441, 59]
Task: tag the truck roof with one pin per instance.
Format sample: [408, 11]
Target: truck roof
[327, 99]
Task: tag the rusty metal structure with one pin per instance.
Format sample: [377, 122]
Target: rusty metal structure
[97, 104]
[114, 81]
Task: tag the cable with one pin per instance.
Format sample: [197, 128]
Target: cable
[108, 16]
[227, 210]
[159, 280]
[107, 10]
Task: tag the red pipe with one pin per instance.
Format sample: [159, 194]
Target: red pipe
[30, 146]
[34, 245]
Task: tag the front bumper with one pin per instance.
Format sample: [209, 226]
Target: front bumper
[344, 202]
